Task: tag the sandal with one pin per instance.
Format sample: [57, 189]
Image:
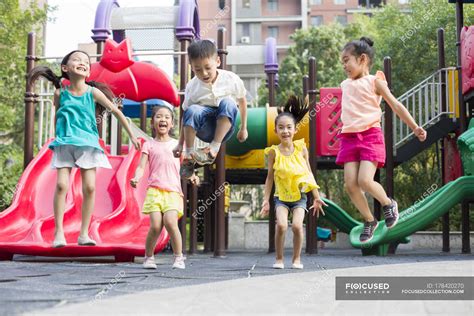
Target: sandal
[203, 158]
[187, 169]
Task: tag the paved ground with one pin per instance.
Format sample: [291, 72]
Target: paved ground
[64, 287]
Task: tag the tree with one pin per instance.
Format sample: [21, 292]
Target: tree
[15, 24]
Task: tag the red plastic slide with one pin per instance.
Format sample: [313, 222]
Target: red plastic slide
[27, 226]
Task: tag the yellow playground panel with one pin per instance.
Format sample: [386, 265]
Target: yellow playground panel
[453, 97]
[255, 159]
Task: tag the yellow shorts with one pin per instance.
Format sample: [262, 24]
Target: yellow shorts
[157, 200]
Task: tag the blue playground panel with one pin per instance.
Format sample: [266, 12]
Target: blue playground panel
[132, 108]
[323, 234]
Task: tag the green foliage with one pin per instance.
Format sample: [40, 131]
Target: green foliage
[11, 166]
[15, 24]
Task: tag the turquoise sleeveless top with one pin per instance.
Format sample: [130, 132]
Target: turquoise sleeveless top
[75, 120]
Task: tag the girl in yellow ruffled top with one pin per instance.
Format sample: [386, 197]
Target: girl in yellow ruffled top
[288, 166]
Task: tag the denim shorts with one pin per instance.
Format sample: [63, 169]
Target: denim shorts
[292, 205]
[203, 119]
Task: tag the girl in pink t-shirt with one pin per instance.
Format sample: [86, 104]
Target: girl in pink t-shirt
[164, 198]
[362, 143]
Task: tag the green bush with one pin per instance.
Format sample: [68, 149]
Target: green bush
[11, 166]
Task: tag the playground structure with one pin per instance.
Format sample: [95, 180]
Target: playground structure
[118, 224]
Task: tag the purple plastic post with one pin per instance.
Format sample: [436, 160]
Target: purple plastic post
[188, 23]
[271, 60]
[101, 28]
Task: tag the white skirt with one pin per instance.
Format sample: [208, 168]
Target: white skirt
[84, 157]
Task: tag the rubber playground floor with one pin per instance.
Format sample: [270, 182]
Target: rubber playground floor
[242, 283]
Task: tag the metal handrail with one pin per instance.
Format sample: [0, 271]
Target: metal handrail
[424, 102]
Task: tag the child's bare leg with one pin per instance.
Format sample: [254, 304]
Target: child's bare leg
[280, 232]
[88, 192]
[223, 126]
[156, 224]
[297, 228]
[189, 137]
[366, 181]
[170, 219]
[351, 183]
[59, 205]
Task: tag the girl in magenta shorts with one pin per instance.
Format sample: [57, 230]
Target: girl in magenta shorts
[362, 143]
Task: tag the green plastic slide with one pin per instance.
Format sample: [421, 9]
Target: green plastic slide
[420, 215]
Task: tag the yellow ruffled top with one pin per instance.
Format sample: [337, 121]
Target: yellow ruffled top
[291, 173]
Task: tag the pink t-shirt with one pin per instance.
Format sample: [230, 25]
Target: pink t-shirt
[360, 104]
[164, 167]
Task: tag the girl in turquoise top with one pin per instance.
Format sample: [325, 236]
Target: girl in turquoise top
[77, 139]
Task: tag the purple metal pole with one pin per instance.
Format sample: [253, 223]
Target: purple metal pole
[101, 28]
[271, 69]
[188, 21]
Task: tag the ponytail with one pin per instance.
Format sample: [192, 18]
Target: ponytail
[48, 74]
[295, 107]
[45, 72]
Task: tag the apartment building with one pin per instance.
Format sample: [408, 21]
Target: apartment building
[250, 22]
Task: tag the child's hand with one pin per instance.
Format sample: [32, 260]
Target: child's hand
[195, 180]
[178, 150]
[242, 135]
[135, 143]
[265, 209]
[318, 207]
[134, 182]
[420, 133]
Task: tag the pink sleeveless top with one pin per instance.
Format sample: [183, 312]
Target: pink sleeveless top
[360, 104]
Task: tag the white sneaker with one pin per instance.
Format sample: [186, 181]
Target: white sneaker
[179, 262]
[298, 266]
[149, 263]
[85, 241]
[59, 242]
[278, 265]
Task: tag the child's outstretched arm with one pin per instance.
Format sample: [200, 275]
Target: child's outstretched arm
[268, 185]
[243, 134]
[139, 171]
[383, 90]
[100, 97]
[179, 148]
[318, 203]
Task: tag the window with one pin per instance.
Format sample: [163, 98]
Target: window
[315, 2]
[317, 20]
[245, 29]
[246, 4]
[340, 2]
[342, 19]
[273, 5]
[273, 31]
[221, 4]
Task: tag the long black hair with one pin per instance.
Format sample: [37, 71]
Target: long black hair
[46, 72]
[295, 108]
